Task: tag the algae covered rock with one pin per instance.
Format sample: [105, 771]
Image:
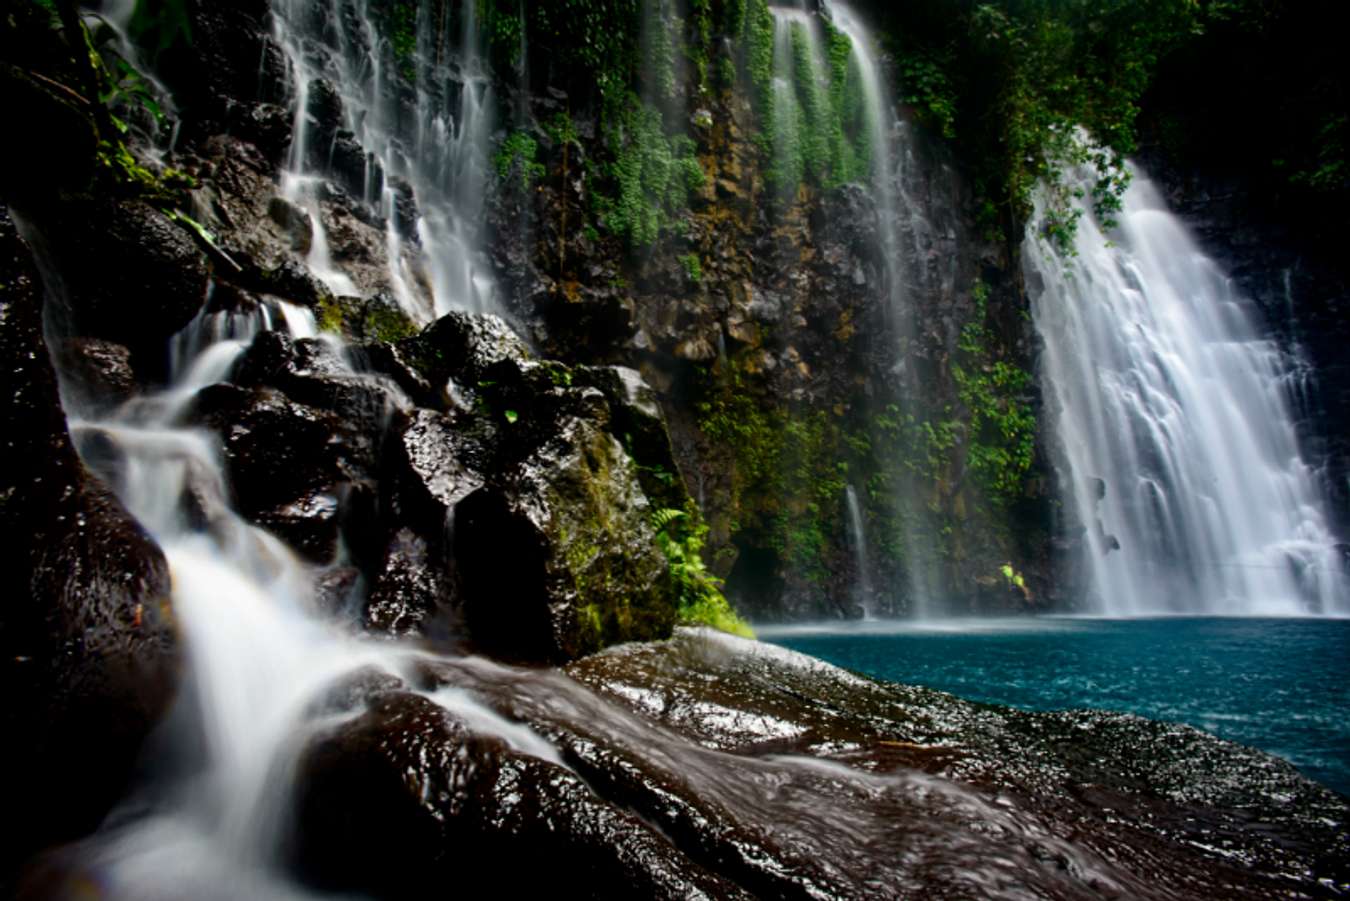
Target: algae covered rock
[557, 554]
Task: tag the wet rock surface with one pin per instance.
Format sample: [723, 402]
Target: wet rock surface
[409, 781]
[709, 765]
[89, 652]
[127, 273]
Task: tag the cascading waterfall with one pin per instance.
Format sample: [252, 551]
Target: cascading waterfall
[427, 145]
[1173, 415]
[889, 156]
[258, 653]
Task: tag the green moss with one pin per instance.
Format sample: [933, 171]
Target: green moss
[790, 471]
[813, 128]
[652, 175]
[693, 267]
[1002, 430]
[370, 320]
[515, 160]
[329, 316]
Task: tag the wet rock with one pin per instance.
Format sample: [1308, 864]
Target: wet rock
[355, 690]
[325, 114]
[99, 373]
[356, 170]
[432, 454]
[391, 361]
[337, 591]
[557, 555]
[230, 59]
[636, 419]
[413, 588]
[290, 465]
[291, 280]
[375, 319]
[1087, 801]
[59, 155]
[409, 782]
[312, 371]
[461, 346]
[128, 274]
[87, 650]
[405, 209]
[293, 221]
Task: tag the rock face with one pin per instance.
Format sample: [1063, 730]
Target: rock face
[124, 272]
[557, 553]
[86, 636]
[765, 327]
[711, 766]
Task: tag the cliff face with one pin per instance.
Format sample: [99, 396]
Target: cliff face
[799, 358]
[789, 380]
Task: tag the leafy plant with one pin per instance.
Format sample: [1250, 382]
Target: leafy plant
[680, 537]
[693, 267]
[654, 174]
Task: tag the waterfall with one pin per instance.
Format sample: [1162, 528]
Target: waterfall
[889, 156]
[425, 145]
[884, 135]
[858, 536]
[1173, 415]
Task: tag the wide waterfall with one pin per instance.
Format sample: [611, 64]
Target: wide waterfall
[1173, 415]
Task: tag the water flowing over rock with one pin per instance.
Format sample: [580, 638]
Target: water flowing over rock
[86, 629]
[1183, 465]
[372, 440]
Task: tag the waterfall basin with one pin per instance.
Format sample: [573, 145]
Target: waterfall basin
[1281, 685]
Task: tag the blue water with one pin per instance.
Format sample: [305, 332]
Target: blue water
[1281, 685]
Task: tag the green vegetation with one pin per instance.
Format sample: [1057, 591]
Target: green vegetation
[515, 160]
[376, 319]
[653, 174]
[693, 267]
[1011, 81]
[790, 468]
[680, 536]
[1002, 425]
[814, 127]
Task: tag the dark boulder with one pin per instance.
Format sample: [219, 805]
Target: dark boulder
[87, 649]
[290, 466]
[98, 373]
[637, 421]
[124, 272]
[395, 801]
[461, 346]
[557, 554]
[229, 61]
[59, 156]
[413, 588]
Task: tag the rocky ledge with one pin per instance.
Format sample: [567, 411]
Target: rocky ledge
[711, 766]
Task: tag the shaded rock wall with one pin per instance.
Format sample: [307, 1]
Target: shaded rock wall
[762, 325]
[87, 645]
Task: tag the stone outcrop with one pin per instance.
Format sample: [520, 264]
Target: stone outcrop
[711, 766]
[87, 645]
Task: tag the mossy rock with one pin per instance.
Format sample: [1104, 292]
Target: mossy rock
[558, 557]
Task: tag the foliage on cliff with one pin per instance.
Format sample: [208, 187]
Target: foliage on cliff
[1009, 80]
